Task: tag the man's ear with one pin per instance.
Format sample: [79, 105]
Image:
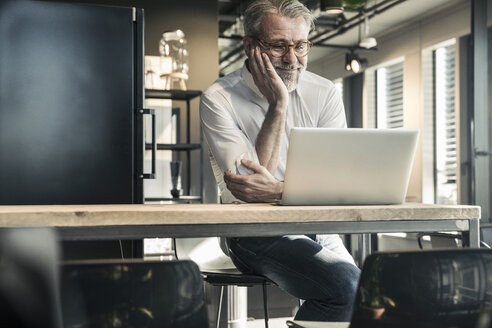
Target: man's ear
[248, 44]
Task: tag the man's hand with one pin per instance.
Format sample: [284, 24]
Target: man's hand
[267, 79]
[258, 187]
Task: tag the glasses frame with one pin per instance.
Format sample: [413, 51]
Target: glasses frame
[269, 45]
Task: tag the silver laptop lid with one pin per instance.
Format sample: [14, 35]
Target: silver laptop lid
[328, 166]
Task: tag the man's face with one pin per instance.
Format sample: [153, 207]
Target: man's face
[276, 28]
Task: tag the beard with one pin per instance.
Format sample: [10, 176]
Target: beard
[290, 78]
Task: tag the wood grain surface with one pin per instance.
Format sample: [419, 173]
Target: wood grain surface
[151, 214]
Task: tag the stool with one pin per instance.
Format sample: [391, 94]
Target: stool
[223, 278]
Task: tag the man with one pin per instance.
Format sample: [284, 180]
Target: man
[246, 118]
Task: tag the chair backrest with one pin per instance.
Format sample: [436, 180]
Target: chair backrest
[438, 240]
[446, 288]
[29, 278]
[205, 252]
[133, 294]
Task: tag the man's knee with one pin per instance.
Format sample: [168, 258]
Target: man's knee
[347, 284]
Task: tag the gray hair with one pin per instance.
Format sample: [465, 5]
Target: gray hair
[287, 8]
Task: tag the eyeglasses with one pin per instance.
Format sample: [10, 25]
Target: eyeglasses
[280, 49]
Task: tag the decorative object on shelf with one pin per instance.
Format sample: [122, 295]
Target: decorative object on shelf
[153, 73]
[176, 178]
[174, 59]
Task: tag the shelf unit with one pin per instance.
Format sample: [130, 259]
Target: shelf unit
[186, 147]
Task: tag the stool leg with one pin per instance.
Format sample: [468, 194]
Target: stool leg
[221, 296]
[265, 304]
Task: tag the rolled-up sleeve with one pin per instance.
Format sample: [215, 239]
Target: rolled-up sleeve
[226, 141]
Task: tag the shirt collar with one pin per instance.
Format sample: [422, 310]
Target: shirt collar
[248, 79]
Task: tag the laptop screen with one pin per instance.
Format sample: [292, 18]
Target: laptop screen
[348, 166]
[435, 289]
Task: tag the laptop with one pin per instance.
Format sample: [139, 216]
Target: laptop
[420, 289]
[328, 166]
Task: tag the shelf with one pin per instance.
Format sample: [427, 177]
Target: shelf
[177, 147]
[172, 94]
[187, 146]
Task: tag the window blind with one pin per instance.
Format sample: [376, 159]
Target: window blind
[445, 124]
[389, 96]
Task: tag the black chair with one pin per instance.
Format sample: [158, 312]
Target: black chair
[485, 318]
[425, 289]
[29, 278]
[440, 240]
[133, 293]
[228, 275]
[226, 278]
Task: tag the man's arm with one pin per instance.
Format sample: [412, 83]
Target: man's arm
[224, 139]
[229, 144]
[269, 140]
[261, 186]
[258, 187]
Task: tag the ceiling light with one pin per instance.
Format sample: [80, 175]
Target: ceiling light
[331, 7]
[367, 42]
[358, 64]
[348, 59]
[354, 63]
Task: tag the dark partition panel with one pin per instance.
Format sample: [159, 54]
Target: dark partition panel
[66, 103]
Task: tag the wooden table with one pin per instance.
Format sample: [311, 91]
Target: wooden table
[136, 221]
[87, 222]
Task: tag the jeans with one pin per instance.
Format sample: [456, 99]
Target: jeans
[325, 277]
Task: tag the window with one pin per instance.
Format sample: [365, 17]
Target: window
[389, 96]
[440, 147]
[384, 109]
[445, 125]
[384, 96]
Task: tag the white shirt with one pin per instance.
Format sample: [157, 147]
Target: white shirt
[232, 112]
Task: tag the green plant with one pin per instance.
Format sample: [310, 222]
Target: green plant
[372, 295]
[354, 5]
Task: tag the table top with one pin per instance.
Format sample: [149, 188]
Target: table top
[210, 214]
